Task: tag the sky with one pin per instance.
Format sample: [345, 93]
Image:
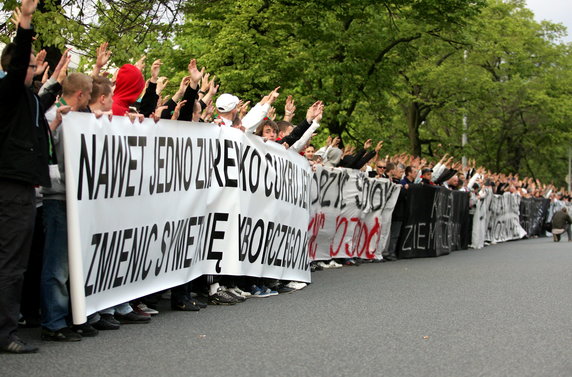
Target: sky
[558, 11]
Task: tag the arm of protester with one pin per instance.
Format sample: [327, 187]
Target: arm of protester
[101, 59]
[192, 90]
[313, 111]
[54, 124]
[182, 87]
[300, 144]
[473, 180]
[368, 155]
[49, 93]
[289, 109]
[177, 110]
[257, 114]
[205, 85]
[140, 64]
[438, 170]
[19, 64]
[206, 116]
[195, 75]
[150, 100]
[151, 97]
[62, 72]
[41, 64]
[211, 92]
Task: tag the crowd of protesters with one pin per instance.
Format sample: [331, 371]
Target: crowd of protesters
[33, 243]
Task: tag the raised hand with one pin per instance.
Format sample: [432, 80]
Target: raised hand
[102, 55]
[140, 64]
[320, 113]
[205, 83]
[16, 16]
[194, 74]
[378, 146]
[208, 112]
[28, 7]
[155, 69]
[161, 84]
[243, 109]
[313, 111]
[61, 71]
[272, 113]
[213, 89]
[41, 63]
[177, 111]
[156, 115]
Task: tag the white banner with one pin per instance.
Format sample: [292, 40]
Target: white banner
[503, 219]
[152, 206]
[351, 214]
[480, 219]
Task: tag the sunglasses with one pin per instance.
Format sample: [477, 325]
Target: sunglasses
[381, 167]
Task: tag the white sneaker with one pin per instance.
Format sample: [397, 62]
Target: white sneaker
[240, 292]
[334, 264]
[296, 285]
[323, 265]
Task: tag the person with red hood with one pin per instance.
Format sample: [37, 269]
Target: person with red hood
[128, 87]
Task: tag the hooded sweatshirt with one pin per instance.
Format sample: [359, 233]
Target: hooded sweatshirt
[128, 86]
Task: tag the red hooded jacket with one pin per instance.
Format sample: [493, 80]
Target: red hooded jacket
[128, 86]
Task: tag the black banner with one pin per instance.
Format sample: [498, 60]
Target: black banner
[436, 222]
[533, 213]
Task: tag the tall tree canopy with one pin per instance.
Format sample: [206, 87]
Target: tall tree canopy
[416, 73]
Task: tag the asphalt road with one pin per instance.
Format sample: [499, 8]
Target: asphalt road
[501, 311]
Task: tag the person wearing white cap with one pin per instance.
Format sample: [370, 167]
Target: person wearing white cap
[227, 106]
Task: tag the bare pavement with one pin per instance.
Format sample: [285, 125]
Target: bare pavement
[501, 311]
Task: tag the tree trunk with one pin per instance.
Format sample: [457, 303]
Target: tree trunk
[413, 122]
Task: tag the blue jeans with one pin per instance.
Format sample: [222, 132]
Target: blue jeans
[55, 269]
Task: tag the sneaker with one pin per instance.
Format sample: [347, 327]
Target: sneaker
[235, 295]
[201, 304]
[142, 308]
[132, 318]
[185, 306]
[110, 318]
[323, 265]
[334, 264]
[62, 335]
[240, 292]
[258, 292]
[284, 288]
[29, 322]
[222, 298]
[18, 346]
[296, 285]
[85, 330]
[261, 292]
[348, 262]
[268, 291]
[104, 324]
[315, 267]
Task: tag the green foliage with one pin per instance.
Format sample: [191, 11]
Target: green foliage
[404, 71]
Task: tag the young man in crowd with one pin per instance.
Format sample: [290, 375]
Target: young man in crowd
[409, 178]
[23, 124]
[76, 94]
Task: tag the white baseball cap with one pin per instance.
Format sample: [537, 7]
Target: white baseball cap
[226, 102]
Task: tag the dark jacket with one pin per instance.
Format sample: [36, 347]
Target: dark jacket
[24, 131]
[560, 220]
